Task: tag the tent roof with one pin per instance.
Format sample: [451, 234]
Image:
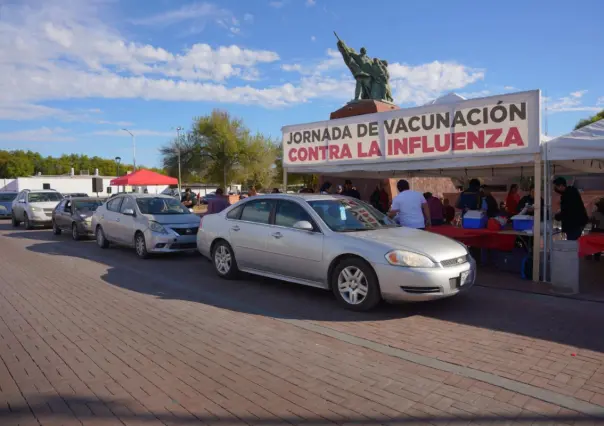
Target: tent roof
[586, 143]
[449, 98]
[144, 177]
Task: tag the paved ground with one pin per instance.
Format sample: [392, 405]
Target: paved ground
[99, 337]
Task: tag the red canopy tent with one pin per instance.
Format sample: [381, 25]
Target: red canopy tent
[143, 177]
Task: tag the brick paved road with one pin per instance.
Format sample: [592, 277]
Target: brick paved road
[99, 337]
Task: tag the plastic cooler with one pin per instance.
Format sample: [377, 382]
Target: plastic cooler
[522, 222]
[474, 219]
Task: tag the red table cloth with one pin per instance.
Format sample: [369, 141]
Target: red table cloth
[480, 238]
[591, 244]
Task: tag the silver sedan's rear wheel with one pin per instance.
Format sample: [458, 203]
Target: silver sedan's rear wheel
[224, 261]
[355, 285]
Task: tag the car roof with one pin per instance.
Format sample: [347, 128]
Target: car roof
[87, 198]
[50, 191]
[137, 195]
[304, 196]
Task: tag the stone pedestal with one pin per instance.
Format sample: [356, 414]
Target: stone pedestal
[362, 107]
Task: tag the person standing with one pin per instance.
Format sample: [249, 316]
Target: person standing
[512, 200]
[188, 200]
[573, 213]
[325, 188]
[410, 207]
[437, 211]
[470, 199]
[350, 191]
[380, 199]
[489, 203]
[218, 203]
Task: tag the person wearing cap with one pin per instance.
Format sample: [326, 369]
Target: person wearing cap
[350, 191]
[410, 207]
[573, 213]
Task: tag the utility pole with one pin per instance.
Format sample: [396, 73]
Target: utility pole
[133, 148]
[178, 129]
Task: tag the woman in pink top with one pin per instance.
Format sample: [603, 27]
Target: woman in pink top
[437, 210]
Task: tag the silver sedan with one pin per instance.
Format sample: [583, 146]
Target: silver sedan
[336, 243]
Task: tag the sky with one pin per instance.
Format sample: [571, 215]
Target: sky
[74, 73]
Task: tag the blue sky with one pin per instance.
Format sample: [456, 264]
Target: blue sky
[75, 72]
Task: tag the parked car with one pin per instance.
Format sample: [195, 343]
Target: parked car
[6, 204]
[75, 215]
[337, 243]
[149, 223]
[34, 207]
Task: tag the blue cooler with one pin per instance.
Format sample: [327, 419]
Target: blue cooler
[474, 219]
[522, 222]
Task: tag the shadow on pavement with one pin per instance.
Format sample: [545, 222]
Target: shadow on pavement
[192, 278]
[59, 408]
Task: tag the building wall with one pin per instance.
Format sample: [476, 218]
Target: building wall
[63, 184]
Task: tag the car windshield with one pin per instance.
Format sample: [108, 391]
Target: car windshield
[160, 205]
[348, 215]
[44, 197]
[85, 206]
[7, 196]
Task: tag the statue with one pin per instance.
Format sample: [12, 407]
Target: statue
[372, 76]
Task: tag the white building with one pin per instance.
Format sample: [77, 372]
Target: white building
[65, 184]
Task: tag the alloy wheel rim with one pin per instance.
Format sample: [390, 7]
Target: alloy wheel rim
[353, 285]
[140, 245]
[223, 260]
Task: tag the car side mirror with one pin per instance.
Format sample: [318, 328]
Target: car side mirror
[303, 225]
[128, 212]
[22, 201]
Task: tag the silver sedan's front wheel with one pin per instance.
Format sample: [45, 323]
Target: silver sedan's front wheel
[352, 285]
[224, 260]
[355, 284]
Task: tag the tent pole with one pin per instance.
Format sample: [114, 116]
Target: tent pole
[537, 223]
[284, 180]
[546, 215]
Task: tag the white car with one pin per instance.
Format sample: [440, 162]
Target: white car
[337, 243]
[34, 207]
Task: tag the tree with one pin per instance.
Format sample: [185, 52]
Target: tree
[586, 122]
[27, 163]
[220, 148]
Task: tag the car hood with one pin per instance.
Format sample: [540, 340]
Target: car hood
[174, 219]
[435, 246]
[45, 204]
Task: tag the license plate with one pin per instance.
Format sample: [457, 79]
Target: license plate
[465, 277]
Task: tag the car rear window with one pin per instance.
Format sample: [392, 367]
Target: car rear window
[7, 196]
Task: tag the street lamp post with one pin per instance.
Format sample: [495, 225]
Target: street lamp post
[178, 129]
[133, 148]
[118, 160]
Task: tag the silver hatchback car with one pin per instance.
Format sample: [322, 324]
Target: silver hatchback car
[149, 223]
[336, 243]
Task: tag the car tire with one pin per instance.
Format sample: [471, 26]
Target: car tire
[55, 229]
[74, 232]
[101, 240]
[140, 246]
[27, 223]
[14, 221]
[223, 259]
[355, 285]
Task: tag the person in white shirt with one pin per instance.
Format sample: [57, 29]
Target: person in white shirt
[410, 207]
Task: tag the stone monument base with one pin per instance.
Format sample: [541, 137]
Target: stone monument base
[364, 106]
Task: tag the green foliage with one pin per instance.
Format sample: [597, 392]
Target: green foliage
[220, 149]
[27, 163]
[587, 121]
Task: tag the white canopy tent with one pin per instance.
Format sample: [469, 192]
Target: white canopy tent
[450, 137]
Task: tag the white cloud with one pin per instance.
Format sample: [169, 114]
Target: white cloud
[277, 4]
[310, 3]
[136, 132]
[200, 13]
[61, 50]
[600, 101]
[248, 17]
[43, 134]
[572, 102]
[510, 88]
[313, 38]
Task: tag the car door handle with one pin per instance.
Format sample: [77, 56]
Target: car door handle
[277, 235]
[235, 228]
